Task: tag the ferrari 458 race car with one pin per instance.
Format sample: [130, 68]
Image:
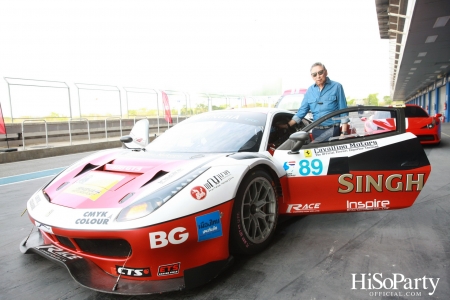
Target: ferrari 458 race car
[427, 128]
[171, 214]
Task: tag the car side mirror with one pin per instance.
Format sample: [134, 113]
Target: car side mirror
[138, 137]
[300, 138]
[438, 115]
[126, 139]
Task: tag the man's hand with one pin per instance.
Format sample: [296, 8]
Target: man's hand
[286, 126]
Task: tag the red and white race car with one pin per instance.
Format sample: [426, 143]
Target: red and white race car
[170, 214]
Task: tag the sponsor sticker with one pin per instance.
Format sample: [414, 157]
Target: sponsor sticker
[218, 180]
[170, 269]
[43, 227]
[198, 193]
[370, 183]
[289, 167]
[133, 272]
[209, 226]
[307, 153]
[160, 239]
[368, 205]
[303, 208]
[57, 253]
[345, 148]
[94, 185]
[94, 217]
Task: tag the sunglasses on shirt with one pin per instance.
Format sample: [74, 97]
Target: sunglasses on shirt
[317, 73]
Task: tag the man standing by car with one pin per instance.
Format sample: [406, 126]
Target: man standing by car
[321, 98]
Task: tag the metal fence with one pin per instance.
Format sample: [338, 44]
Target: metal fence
[37, 102]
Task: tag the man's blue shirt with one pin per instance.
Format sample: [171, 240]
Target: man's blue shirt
[322, 102]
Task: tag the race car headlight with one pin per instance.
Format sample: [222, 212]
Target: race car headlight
[155, 200]
[429, 126]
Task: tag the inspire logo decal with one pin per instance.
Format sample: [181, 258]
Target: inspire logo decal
[209, 226]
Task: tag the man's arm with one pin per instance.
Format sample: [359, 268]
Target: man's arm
[301, 113]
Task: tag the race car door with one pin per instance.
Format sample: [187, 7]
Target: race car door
[376, 166]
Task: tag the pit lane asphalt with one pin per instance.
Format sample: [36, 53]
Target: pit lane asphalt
[311, 257]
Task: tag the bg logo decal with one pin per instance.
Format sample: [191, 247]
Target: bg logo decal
[198, 193]
[134, 272]
[160, 239]
[170, 269]
[209, 226]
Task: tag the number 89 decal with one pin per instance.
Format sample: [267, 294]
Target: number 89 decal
[308, 167]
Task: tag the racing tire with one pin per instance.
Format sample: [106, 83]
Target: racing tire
[254, 215]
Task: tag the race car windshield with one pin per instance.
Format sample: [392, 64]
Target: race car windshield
[214, 132]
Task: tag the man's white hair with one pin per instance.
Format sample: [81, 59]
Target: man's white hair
[318, 64]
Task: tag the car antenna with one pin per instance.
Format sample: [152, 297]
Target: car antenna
[118, 277]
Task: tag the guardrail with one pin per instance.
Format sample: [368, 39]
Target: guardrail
[80, 120]
[106, 126]
[34, 120]
[37, 132]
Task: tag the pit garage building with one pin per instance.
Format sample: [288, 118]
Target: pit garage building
[419, 37]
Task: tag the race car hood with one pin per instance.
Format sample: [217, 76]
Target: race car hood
[110, 180]
[417, 123]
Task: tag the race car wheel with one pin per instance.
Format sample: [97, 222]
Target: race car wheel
[254, 217]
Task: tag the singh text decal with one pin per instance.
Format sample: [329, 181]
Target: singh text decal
[393, 183]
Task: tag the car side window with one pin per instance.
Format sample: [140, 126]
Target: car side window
[360, 124]
[280, 135]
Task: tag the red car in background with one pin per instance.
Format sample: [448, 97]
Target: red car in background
[427, 128]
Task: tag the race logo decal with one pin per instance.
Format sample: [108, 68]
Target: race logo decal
[134, 272]
[94, 217]
[307, 153]
[92, 186]
[209, 226]
[303, 208]
[198, 193]
[57, 253]
[43, 227]
[218, 180]
[170, 269]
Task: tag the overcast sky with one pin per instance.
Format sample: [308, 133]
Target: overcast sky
[194, 45]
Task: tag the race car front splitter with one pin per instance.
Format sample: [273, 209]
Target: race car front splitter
[89, 275]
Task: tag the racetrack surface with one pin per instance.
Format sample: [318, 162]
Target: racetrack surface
[311, 257]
